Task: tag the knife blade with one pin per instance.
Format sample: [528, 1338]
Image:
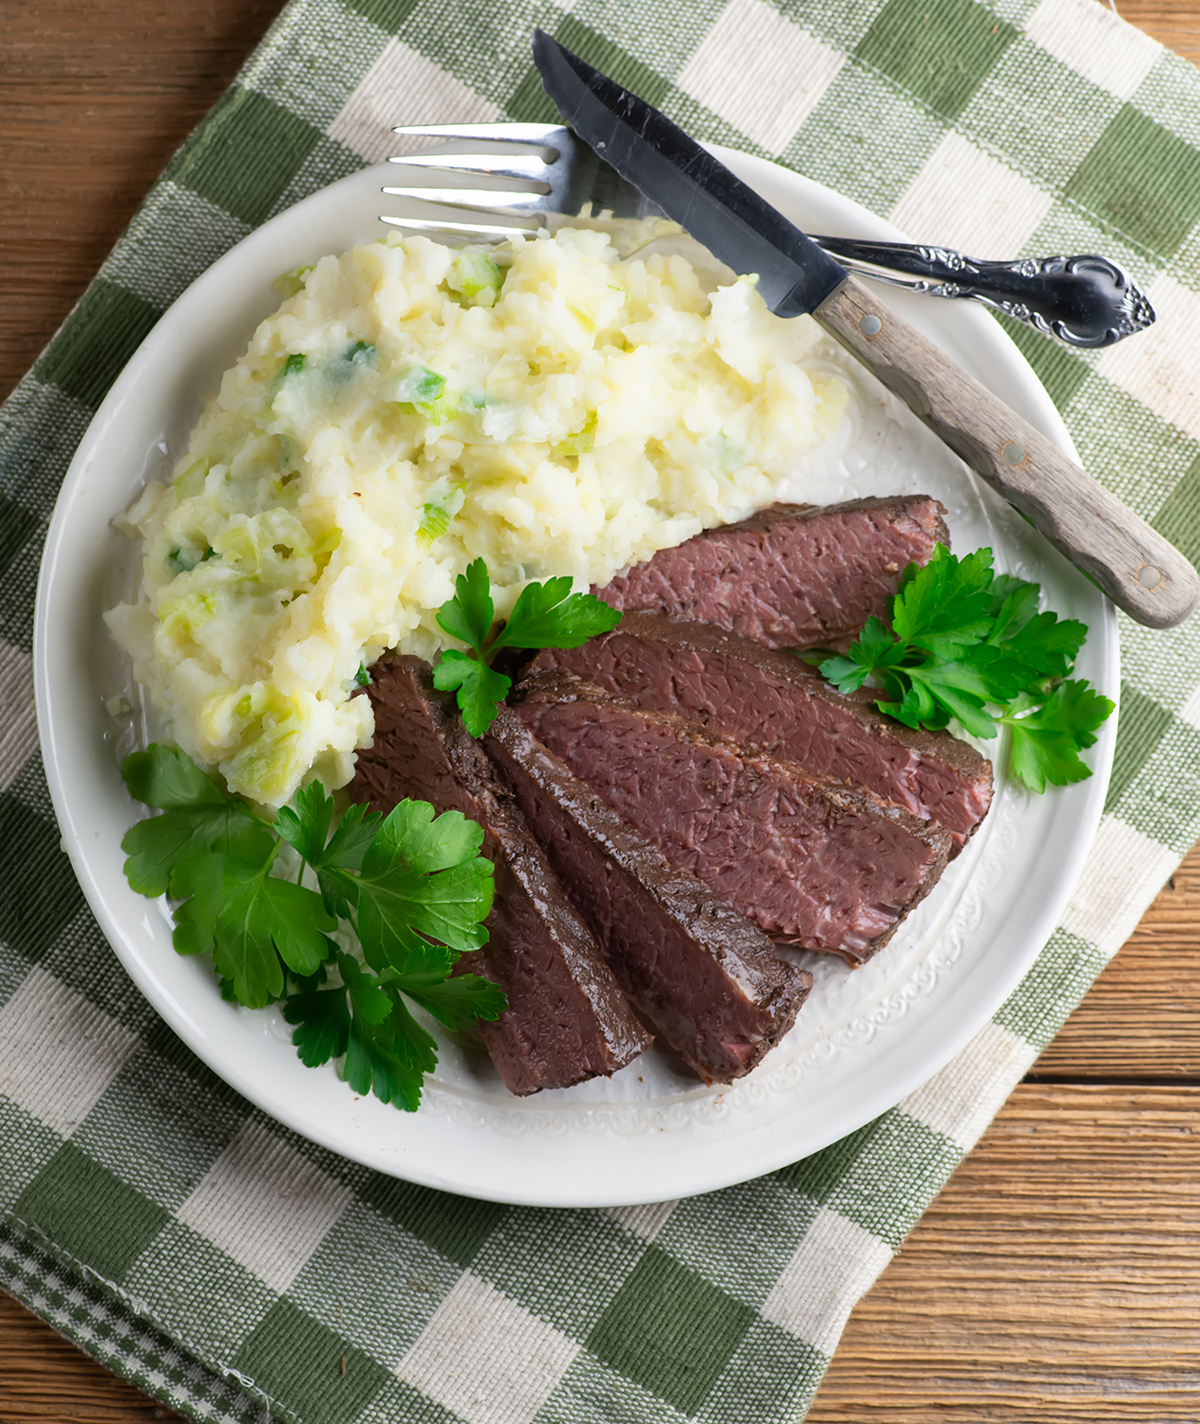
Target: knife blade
[1134, 565]
[688, 183]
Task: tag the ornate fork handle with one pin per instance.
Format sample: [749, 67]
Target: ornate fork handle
[1084, 301]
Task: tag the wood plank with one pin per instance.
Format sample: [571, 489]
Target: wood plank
[44, 1377]
[1142, 1016]
[90, 113]
[1056, 1279]
[1175, 23]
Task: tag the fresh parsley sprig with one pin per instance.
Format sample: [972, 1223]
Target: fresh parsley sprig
[968, 644]
[546, 615]
[412, 887]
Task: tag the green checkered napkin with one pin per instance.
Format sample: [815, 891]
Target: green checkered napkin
[222, 1263]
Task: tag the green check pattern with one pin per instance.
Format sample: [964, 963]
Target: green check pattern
[230, 1268]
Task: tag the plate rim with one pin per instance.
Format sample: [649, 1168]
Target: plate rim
[75, 839]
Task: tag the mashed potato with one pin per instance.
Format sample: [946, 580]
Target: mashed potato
[550, 408]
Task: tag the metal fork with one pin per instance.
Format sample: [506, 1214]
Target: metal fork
[1083, 301]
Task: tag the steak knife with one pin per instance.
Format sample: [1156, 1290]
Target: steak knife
[1131, 562]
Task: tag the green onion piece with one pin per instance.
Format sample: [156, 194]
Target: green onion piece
[287, 284]
[474, 275]
[434, 411]
[183, 561]
[434, 522]
[417, 384]
[580, 442]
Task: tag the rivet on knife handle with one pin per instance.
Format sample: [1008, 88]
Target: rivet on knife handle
[1135, 566]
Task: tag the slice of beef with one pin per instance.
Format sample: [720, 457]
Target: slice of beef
[811, 861]
[705, 978]
[771, 702]
[791, 576]
[566, 1020]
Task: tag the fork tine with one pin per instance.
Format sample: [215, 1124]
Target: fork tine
[496, 199]
[493, 167]
[543, 135]
[461, 229]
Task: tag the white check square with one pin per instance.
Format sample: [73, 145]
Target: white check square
[58, 1052]
[777, 80]
[1094, 42]
[835, 1264]
[1109, 900]
[962, 1099]
[485, 1358]
[403, 87]
[1158, 367]
[265, 1205]
[967, 199]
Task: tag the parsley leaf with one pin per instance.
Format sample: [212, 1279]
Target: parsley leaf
[418, 885]
[322, 1024]
[1046, 741]
[950, 689]
[549, 615]
[252, 923]
[369, 999]
[323, 1017]
[545, 615]
[197, 817]
[306, 829]
[390, 1059]
[469, 615]
[969, 645]
[480, 688]
[1045, 644]
[366, 1019]
[412, 885]
[945, 605]
[428, 842]
[875, 648]
[455, 1002]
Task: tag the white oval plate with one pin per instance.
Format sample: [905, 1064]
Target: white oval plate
[865, 1038]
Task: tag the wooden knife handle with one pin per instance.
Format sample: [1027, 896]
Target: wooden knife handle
[1134, 565]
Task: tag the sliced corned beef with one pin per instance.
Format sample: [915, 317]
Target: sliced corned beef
[772, 702]
[811, 861]
[791, 576]
[566, 1020]
[705, 978]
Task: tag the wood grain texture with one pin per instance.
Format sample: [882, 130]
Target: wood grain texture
[1141, 1021]
[1056, 1279]
[1175, 23]
[1135, 566]
[94, 99]
[44, 1377]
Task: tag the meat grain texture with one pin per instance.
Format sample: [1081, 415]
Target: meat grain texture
[790, 576]
[812, 862]
[771, 702]
[566, 1020]
[699, 972]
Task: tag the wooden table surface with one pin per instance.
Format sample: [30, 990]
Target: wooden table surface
[1057, 1278]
